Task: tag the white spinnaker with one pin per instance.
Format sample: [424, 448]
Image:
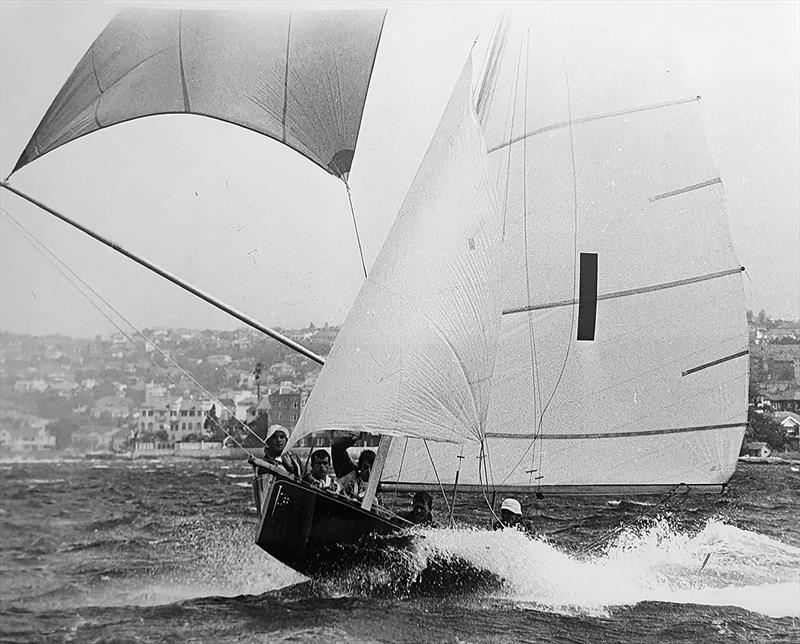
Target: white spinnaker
[615, 146]
[416, 353]
[299, 77]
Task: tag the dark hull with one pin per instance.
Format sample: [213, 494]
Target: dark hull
[309, 529]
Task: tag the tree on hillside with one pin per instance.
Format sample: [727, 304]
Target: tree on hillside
[211, 422]
[763, 428]
[51, 405]
[257, 375]
[103, 389]
[258, 426]
[62, 429]
[758, 376]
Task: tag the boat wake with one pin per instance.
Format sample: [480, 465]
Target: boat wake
[717, 565]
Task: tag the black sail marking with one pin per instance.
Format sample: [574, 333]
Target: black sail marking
[714, 363]
[587, 298]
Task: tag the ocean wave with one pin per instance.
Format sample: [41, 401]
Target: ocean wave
[717, 565]
[34, 482]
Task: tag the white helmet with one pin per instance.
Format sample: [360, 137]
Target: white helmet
[512, 505]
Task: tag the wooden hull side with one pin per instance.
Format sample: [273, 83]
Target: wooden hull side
[305, 528]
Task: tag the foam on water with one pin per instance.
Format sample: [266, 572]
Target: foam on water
[656, 563]
[223, 562]
[653, 563]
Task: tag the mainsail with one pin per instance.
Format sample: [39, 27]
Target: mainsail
[416, 353]
[300, 77]
[599, 154]
[607, 157]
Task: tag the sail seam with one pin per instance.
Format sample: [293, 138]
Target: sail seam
[99, 89]
[186, 105]
[647, 432]
[595, 117]
[680, 191]
[714, 363]
[462, 371]
[571, 489]
[286, 78]
[627, 292]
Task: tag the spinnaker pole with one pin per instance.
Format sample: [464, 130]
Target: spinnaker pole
[172, 278]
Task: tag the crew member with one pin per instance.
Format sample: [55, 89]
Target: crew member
[277, 437]
[352, 477]
[421, 512]
[511, 517]
[320, 473]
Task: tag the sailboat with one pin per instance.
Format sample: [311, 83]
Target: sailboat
[557, 309]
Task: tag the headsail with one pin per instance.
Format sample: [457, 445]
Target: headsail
[416, 353]
[300, 77]
[601, 152]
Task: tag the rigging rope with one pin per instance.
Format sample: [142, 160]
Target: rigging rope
[540, 420]
[574, 241]
[606, 536]
[483, 486]
[441, 487]
[535, 383]
[60, 265]
[355, 227]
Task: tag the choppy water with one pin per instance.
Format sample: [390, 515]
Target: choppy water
[148, 551]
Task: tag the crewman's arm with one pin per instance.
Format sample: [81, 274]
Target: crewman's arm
[342, 463]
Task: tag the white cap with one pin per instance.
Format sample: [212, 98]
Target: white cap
[512, 505]
[277, 428]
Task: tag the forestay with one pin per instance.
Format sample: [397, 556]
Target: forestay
[300, 77]
[416, 353]
[600, 149]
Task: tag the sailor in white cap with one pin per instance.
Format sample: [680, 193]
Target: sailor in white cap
[511, 516]
[274, 444]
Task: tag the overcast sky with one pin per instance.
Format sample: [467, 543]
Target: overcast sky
[260, 226]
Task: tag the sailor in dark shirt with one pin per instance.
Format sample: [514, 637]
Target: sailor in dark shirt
[275, 443]
[320, 474]
[421, 512]
[352, 477]
[511, 517]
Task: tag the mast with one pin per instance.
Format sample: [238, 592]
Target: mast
[272, 333]
[377, 470]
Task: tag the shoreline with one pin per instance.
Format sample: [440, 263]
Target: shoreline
[769, 460]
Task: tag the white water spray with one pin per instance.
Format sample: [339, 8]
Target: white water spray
[656, 563]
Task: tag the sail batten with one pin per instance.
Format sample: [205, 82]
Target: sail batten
[646, 432]
[685, 189]
[627, 292]
[588, 119]
[714, 363]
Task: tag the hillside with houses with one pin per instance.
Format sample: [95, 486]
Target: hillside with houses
[774, 416]
[181, 388]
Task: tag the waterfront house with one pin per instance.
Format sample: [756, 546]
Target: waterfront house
[758, 449]
[285, 405]
[117, 406]
[790, 421]
[25, 437]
